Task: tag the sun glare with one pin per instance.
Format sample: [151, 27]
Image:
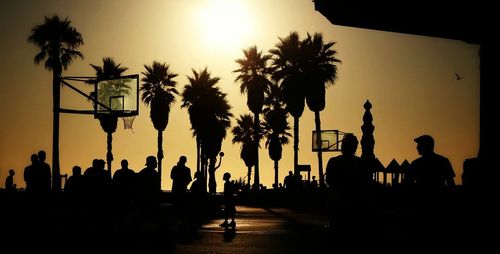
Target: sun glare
[224, 23]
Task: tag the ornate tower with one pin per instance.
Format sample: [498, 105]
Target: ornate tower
[367, 140]
[368, 143]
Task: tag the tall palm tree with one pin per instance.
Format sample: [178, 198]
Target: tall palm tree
[195, 100]
[252, 74]
[286, 70]
[245, 133]
[213, 135]
[158, 92]
[58, 42]
[109, 70]
[275, 127]
[320, 71]
[209, 113]
[276, 130]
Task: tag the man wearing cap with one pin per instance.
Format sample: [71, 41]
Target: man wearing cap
[148, 184]
[431, 172]
[432, 176]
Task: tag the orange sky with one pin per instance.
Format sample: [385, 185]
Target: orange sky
[410, 81]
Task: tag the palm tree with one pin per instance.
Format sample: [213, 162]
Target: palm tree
[213, 135]
[194, 98]
[58, 42]
[286, 69]
[320, 71]
[109, 70]
[209, 113]
[244, 133]
[253, 71]
[158, 92]
[275, 127]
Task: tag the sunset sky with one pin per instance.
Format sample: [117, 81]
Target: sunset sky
[410, 81]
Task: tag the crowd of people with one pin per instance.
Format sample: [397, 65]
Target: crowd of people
[348, 179]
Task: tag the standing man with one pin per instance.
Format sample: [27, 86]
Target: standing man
[181, 177]
[432, 177]
[9, 181]
[149, 189]
[29, 173]
[430, 172]
[43, 175]
[350, 183]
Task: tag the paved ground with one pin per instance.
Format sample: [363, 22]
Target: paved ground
[260, 230]
[30, 226]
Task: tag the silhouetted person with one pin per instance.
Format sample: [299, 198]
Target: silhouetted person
[478, 178]
[349, 180]
[229, 201]
[431, 172]
[480, 181]
[97, 194]
[299, 183]
[9, 181]
[148, 188]
[43, 175]
[124, 182]
[432, 175]
[288, 182]
[75, 184]
[97, 181]
[181, 177]
[198, 197]
[29, 172]
[74, 188]
[124, 188]
[314, 183]
[197, 188]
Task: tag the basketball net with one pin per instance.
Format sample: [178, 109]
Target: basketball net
[128, 122]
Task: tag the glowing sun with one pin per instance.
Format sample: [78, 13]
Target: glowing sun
[224, 23]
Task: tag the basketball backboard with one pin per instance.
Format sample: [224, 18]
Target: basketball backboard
[329, 140]
[119, 96]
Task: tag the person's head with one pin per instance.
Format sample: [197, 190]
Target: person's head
[12, 172]
[77, 170]
[425, 144]
[151, 161]
[290, 173]
[95, 163]
[34, 158]
[226, 176]
[197, 175]
[124, 164]
[182, 160]
[101, 163]
[42, 155]
[349, 144]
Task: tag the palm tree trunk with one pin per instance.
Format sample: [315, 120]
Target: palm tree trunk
[160, 152]
[204, 170]
[276, 174]
[249, 176]
[56, 96]
[317, 121]
[295, 145]
[198, 154]
[257, 128]
[109, 154]
[212, 184]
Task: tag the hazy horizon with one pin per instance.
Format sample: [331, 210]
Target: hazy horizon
[410, 81]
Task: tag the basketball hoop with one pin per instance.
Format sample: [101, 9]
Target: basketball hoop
[128, 121]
